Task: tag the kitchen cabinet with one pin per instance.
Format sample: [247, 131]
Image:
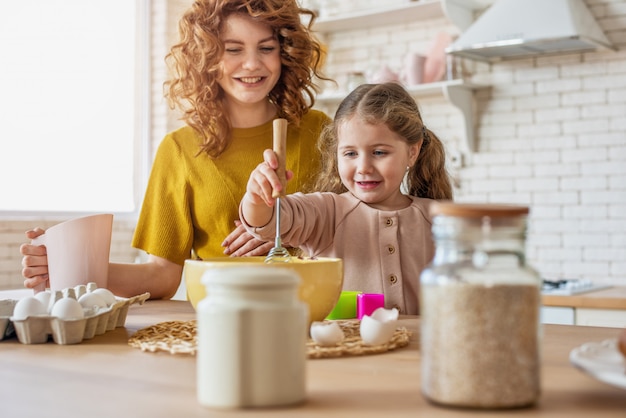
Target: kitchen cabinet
[601, 317]
[559, 315]
[562, 315]
[458, 92]
[600, 308]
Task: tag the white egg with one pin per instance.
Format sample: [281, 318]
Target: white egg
[106, 294]
[28, 306]
[379, 327]
[44, 297]
[326, 333]
[67, 308]
[90, 300]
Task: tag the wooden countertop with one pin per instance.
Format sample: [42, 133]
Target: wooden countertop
[609, 298]
[105, 377]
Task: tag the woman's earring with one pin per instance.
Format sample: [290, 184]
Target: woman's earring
[408, 167]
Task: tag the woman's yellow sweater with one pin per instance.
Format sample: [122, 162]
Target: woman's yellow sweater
[192, 201]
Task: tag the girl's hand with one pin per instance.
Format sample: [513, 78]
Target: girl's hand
[35, 260]
[264, 180]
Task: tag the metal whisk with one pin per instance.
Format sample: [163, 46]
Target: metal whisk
[278, 253]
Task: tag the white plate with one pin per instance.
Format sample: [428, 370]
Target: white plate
[602, 361]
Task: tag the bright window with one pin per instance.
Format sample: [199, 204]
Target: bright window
[69, 108]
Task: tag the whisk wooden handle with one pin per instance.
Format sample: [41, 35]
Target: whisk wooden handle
[280, 148]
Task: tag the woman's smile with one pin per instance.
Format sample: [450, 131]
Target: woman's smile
[250, 80]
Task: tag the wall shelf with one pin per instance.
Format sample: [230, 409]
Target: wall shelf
[459, 93]
[461, 13]
[402, 13]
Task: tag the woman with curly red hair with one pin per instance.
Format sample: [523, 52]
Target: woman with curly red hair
[239, 64]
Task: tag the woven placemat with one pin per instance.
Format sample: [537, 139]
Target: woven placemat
[175, 337]
[179, 337]
[353, 345]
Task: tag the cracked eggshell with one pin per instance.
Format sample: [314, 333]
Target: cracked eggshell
[385, 315]
[28, 306]
[326, 333]
[67, 308]
[379, 327]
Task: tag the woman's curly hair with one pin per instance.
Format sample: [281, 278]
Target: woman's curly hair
[389, 104]
[194, 62]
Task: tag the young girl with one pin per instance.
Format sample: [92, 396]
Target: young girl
[362, 216]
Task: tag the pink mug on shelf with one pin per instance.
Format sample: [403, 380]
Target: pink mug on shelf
[383, 75]
[413, 70]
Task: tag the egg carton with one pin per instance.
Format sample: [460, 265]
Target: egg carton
[37, 329]
[6, 310]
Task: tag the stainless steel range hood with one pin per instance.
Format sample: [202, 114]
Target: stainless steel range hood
[512, 29]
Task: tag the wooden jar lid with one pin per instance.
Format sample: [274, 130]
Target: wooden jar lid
[477, 210]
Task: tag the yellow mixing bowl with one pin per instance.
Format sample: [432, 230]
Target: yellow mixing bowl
[322, 279]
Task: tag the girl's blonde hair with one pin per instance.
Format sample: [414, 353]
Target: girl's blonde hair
[194, 62]
[392, 105]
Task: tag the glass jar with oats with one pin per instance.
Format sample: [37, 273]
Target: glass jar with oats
[479, 303]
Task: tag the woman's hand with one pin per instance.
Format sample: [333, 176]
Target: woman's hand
[240, 243]
[35, 260]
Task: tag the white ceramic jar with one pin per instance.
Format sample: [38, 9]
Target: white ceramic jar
[252, 332]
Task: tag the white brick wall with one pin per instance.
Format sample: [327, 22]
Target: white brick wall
[551, 134]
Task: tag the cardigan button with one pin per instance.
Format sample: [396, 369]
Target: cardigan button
[391, 249]
[389, 222]
[393, 279]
